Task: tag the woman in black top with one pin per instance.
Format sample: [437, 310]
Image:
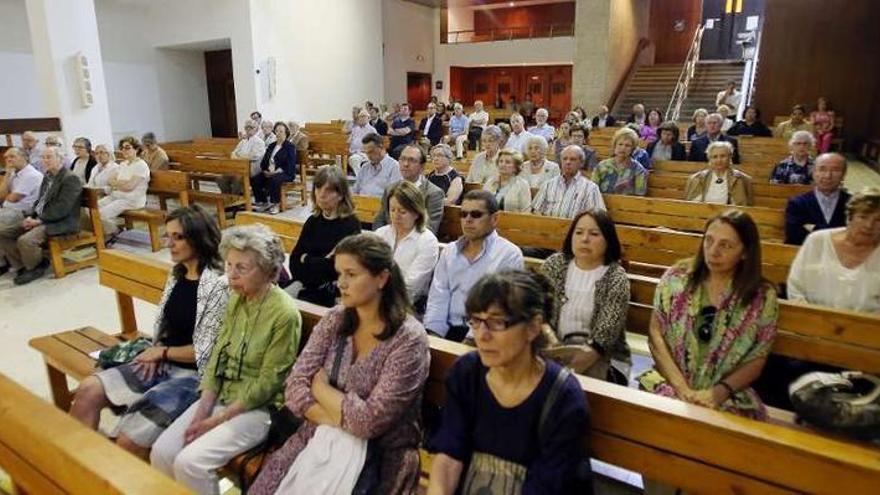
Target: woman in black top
[162, 381]
[444, 175]
[278, 166]
[751, 125]
[333, 219]
[85, 160]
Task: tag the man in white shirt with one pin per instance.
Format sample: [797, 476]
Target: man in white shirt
[519, 136]
[19, 191]
[251, 147]
[729, 96]
[569, 193]
[478, 119]
[359, 130]
[542, 128]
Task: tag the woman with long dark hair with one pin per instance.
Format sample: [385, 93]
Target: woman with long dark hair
[162, 381]
[358, 380]
[714, 321]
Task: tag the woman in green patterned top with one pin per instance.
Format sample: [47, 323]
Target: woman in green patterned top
[245, 375]
[622, 174]
[714, 321]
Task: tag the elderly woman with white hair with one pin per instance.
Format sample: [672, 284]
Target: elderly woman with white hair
[458, 130]
[720, 183]
[105, 167]
[538, 169]
[797, 168]
[57, 142]
[244, 377]
[483, 167]
[444, 175]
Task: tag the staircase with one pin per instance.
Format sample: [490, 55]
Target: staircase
[653, 86]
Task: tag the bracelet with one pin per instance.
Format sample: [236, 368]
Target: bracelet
[727, 386]
[165, 354]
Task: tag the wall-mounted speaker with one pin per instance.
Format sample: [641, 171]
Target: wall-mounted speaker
[84, 75]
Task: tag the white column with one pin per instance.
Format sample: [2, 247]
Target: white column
[62, 30]
[591, 53]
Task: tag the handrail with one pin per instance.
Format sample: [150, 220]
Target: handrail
[552, 30]
[673, 110]
[643, 43]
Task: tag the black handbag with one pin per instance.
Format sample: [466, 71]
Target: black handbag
[846, 403]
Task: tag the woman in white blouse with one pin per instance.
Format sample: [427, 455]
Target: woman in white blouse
[415, 247]
[840, 267]
[128, 188]
[104, 169]
[538, 169]
[511, 191]
[483, 167]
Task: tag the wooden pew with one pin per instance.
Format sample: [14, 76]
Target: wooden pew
[695, 448]
[163, 183]
[766, 195]
[687, 215]
[758, 172]
[59, 244]
[46, 451]
[199, 167]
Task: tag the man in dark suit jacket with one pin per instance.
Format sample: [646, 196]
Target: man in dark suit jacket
[434, 125]
[55, 213]
[805, 214]
[713, 133]
[412, 164]
[603, 119]
[376, 121]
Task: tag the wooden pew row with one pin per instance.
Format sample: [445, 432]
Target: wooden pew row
[839, 338]
[207, 168]
[759, 173]
[666, 440]
[651, 250]
[663, 185]
[59, 244]
[164, 184]
[44, 451]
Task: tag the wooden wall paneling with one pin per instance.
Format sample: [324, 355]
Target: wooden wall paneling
[533, 17]
[671, 46]
[811, 48]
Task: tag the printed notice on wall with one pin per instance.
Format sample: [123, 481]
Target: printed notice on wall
[710, 23]
[751, 23]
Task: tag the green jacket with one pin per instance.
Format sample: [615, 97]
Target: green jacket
[257, 346]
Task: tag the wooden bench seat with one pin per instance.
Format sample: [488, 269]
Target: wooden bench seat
[59, 244]
[697, 449]
[239, 168]
[45, 451]
[662, 185]
[164, 184]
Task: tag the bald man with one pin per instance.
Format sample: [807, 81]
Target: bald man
[822, 208]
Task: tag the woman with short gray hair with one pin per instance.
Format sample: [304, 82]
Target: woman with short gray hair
[483, 167]
[538, 170]
[444, 174]
[797, 168]
[244, 377]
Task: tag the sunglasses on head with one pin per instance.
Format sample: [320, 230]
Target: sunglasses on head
[475, 214]
[707, 315]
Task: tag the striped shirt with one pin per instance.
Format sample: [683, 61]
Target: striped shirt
[555, 198]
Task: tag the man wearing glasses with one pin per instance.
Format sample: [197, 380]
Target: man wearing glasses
[412, 164]
[251, 147]
[480, 250]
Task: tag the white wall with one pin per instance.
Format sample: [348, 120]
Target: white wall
[321, 68]
[409, 44]
[19, 98]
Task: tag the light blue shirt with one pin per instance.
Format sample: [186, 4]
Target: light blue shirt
[373, 179]
[827, 203]
[546, 131]
[454, 276]
[458, 125]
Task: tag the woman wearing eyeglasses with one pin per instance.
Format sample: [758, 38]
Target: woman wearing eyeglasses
[84, 160]
[492, 434]
[127, 190]
[714, 321]
[244, 376]
[105, 168]
[162, 381]
[358, 383]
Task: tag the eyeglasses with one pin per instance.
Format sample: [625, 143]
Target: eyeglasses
[127, 147]
[707, 317]
[475, 214]
[493, 324]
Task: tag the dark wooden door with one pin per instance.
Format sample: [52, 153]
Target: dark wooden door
[673, 24]
[418, 90]
[221, 93]
[504, 90]
[560, 93]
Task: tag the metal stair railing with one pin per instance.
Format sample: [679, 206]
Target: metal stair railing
[673, 110]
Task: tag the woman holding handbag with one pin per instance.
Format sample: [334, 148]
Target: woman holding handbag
[357, 383]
